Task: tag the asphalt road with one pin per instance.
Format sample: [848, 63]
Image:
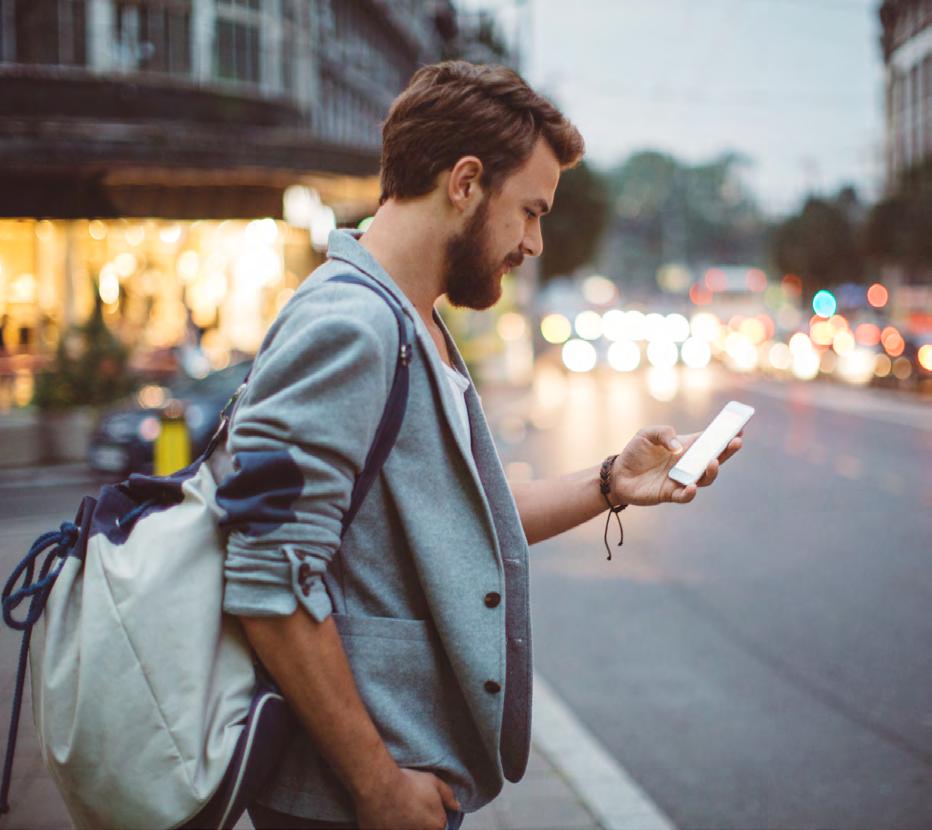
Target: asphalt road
[761, 657]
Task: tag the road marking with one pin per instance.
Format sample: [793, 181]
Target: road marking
[603, 786]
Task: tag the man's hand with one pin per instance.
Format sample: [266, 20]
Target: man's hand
[639, 474]
[414, 800]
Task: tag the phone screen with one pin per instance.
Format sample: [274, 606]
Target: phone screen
[708, 445]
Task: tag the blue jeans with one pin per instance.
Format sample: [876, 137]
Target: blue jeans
[264, 818]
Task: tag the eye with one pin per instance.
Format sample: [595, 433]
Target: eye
[530, 213]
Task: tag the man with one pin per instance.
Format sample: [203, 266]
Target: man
[404, 648]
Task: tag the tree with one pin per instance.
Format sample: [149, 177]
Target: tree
[668, 211]
[819, 244]
[897, 231]
[573, 229]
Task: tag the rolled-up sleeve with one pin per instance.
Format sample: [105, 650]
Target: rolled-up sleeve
[299, 440]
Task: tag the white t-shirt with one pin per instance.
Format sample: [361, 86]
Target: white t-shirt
[458, 385]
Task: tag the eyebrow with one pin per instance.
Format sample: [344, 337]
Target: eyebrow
[541, 205]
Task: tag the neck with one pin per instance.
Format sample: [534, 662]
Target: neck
[407, 240]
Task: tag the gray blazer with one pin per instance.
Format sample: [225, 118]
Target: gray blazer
[429, 587]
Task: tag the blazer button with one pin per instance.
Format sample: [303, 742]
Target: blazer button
[492, 687]
[492, 599]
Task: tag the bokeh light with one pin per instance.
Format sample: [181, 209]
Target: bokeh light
[780, 356]
[598, 290]
[806, 364]
[588, 325]
[843, 342]
[902, 368]
[511, 326]
[925, 357]
[893, 342]
[613, 324]
[824, 304]
[856, 365]
[867, 334]
[624, 356]
[696, 353]
[662, 354]
[705, 326]
[882, 366]
[677, 328]
[636, 325]
[877, 295]
[579, 356]
[555, 328]
[655, 327]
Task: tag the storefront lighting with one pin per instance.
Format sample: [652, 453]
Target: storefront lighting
[824, 304]
[170, 234]
[97, 230]
[188, 264]
[125, 264]
[662, 353]
[882, 366]
[780, 356]
[902, 368]
[23, 289]
[877, 295]
[109, 288]
[636, 325]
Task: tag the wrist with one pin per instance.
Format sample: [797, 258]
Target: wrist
[611, 498]
[375, 780]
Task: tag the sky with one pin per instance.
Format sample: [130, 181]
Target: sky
[794, 85]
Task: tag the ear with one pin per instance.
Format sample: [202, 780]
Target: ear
[463, 185]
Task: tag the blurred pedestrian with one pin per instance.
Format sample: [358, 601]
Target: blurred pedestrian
[404, 648]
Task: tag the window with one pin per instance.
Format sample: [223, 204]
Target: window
[237, 42]
[45, 32]
[155, 35]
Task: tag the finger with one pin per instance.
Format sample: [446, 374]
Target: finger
[684, 495]
[733, 446]
[446, 795]
[710, 474]
[664, 436]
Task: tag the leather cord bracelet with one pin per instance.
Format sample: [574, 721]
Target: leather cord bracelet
[613, 509]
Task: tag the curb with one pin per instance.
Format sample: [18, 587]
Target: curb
[601, 784]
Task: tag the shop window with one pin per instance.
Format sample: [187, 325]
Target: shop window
[155, 36]
[44, 31]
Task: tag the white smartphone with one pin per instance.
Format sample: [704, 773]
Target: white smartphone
[727, 424]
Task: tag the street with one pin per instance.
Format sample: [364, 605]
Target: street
[758, 658]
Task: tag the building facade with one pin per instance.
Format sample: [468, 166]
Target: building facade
[180, 162]
[907, 49]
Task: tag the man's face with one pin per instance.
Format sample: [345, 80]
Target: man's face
[503, 229]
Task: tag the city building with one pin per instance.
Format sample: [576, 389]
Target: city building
[181, 161]
[907, 50]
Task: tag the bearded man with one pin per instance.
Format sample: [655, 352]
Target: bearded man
[403, 646]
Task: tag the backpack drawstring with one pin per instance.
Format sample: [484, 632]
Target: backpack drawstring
[61, 541]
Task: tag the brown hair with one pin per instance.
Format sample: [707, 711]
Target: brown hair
[455, 109]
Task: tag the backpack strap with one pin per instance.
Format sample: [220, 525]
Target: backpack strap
[387, 431]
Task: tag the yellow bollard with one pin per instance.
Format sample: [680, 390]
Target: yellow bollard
[172, 450]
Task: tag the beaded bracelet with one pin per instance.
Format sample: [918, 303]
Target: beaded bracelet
[605, 487]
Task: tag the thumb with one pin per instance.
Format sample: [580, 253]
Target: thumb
[446, 795]
[665, 436]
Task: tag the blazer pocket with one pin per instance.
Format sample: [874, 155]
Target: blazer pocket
[402, 674]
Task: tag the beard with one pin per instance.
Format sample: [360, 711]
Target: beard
[471, 274]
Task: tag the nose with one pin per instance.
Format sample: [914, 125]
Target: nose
[533, 242]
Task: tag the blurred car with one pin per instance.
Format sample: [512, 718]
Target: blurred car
[123, 439]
